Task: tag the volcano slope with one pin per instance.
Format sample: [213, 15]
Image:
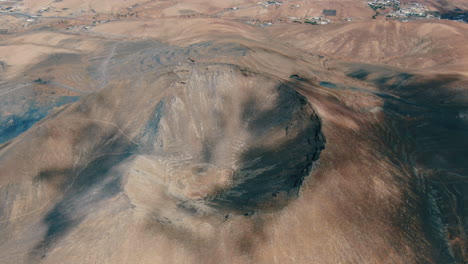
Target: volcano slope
[207, 140]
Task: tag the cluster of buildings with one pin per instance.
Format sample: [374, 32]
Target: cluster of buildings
[259, 23]
[268, 3]
[276, 3]
[316, 20]
[412, 10]
[79, 28]
[384, 4]
[393, 8]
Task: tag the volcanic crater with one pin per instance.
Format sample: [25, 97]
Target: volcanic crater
[226, 138]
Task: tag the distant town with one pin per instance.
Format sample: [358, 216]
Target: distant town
[412, 10]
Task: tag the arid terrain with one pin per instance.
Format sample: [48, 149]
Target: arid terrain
[211, 131]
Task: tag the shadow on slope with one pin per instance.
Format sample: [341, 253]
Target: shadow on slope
[425, 133]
